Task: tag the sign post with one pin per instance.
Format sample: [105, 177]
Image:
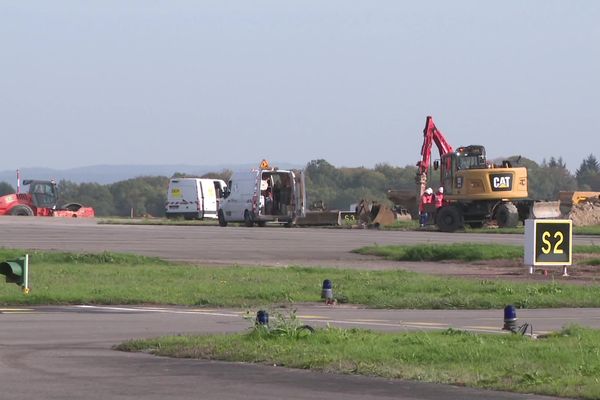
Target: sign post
[548, 242]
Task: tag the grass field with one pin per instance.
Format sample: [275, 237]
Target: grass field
[108, 278]
[457, 251]
[563, 364]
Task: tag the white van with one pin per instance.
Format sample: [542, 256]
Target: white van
[263, 195]
[194, 198]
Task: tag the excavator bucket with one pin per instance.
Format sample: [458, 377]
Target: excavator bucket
[404, 200]
[374, 214]
[545, 209]
[382, 215]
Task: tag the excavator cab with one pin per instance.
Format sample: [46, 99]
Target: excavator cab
[43, 193]
[470, 157]
[464, 158]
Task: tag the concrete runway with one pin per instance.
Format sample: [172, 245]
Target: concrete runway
[230, 245]
[65, 352]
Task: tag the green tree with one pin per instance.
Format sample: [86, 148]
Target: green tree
[88, 194]
[143, 195]
[224, 175]
[588, 174]
[338, 188]
[552, 177]
[6, 188]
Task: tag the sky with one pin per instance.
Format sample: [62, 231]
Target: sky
[117, 82]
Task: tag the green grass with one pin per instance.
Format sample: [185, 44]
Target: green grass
[108, 278]
[457, 251]
[563, 364]
[586, 230]
[577, 230]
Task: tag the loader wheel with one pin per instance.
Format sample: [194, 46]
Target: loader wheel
[449, 219]
[248, 219]
[21, 210]
[222, 221]
[507, 215]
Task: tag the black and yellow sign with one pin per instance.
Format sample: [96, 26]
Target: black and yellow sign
[548, 242]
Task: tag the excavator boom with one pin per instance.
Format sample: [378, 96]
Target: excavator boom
[431, 135]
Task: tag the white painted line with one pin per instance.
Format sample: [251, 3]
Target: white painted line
[161, 310]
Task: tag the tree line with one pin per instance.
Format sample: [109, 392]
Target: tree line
[336, 188]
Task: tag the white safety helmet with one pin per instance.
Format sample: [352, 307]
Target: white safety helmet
[441, 189]
[429, 191]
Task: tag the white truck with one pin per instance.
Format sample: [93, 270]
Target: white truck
[194, 198]
[263, 195]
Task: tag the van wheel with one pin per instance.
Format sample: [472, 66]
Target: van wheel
[248, 219]
[262, 224]
[222, 221]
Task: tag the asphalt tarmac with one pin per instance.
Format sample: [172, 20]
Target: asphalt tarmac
[66, 353]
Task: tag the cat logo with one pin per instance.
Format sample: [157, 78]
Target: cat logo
[501, 182]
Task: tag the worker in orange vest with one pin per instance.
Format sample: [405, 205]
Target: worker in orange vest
[426, 198]
[439, 198]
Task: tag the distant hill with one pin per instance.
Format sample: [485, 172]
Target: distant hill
[105, 174]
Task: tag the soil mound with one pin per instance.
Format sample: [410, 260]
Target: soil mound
[585, 214]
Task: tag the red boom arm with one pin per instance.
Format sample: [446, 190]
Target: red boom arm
[430, 135]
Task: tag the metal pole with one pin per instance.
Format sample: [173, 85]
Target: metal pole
[26, 275]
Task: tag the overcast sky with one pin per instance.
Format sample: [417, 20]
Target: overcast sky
[198, 82]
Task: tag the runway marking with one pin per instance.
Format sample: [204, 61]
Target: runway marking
[426, 323]
[163, 310]
[313, 318]
[370, 320]
[17, 310]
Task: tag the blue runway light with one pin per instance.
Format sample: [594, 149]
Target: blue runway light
[262, 318]
[510, 318]
[327, 292]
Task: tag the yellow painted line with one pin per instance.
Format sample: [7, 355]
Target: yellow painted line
[370, 320]
[312, 317]
[15, 309]
[424, 323]
[493, 328]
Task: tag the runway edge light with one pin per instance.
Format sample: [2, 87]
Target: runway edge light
[510, 318]
[17, 271]
[327, 291]
[262, 318]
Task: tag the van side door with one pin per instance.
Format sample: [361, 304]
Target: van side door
[299, 194]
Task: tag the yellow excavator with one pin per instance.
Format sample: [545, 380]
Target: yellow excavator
[476, 191]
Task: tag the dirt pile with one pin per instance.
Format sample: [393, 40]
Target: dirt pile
[585, 214]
